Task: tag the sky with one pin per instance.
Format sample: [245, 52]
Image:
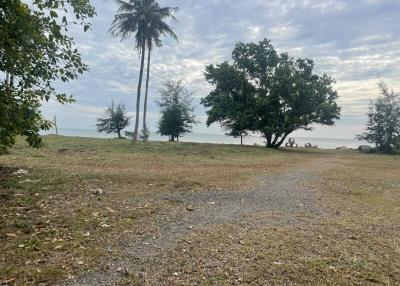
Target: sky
[357, 42]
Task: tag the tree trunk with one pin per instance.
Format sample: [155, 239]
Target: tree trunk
[275, 140]
[282, 140]
[241, 139]
[7, 78]
[145, 96]
[139, 88]
[275, 143]
[268, 137]
[119, 134]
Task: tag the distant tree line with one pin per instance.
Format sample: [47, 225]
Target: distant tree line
[259, 91]
[177, 114]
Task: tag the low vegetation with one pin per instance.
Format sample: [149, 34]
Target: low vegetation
[82, 198]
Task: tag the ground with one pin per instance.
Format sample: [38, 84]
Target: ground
[106, 212]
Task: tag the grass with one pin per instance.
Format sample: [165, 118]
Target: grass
[81, 195]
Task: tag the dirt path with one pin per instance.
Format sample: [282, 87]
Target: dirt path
[284, 199]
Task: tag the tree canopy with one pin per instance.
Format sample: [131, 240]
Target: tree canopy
[274, 94]
[114, 119]
[35, 52]
[177, 117]
[383, 126]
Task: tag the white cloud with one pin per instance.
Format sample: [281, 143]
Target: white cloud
[356, 42]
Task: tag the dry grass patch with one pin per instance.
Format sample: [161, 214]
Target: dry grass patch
[81, 195]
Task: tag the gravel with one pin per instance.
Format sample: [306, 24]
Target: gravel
[276, 200]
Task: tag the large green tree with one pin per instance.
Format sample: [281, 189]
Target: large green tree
[270, 93]
[146, 19]
[383, 126]
[35, 52]
[177, 112]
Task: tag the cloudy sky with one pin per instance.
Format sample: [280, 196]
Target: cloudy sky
[355, 41]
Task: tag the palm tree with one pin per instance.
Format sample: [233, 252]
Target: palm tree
[145, 19]
[157, 28]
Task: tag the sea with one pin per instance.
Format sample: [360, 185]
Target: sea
[253, 139]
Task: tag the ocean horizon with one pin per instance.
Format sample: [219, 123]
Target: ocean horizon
[252, 139]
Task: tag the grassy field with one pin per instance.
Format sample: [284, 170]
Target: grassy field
[83, 198]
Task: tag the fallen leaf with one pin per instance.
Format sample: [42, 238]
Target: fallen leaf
[7, 281]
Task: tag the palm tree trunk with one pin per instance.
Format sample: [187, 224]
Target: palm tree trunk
[135, 134]
[145, 97]
[7, 78]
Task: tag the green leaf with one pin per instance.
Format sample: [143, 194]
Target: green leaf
[53, 14]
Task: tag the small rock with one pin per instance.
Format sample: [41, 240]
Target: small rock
[123, 271]
[95, 214]
[97, 192]
[190, 208]
[104, 225]
[20, 172]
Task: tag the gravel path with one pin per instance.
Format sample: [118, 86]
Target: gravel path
[283, 199]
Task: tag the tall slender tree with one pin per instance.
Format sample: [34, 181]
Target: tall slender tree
[157, 28]
[145, 19]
